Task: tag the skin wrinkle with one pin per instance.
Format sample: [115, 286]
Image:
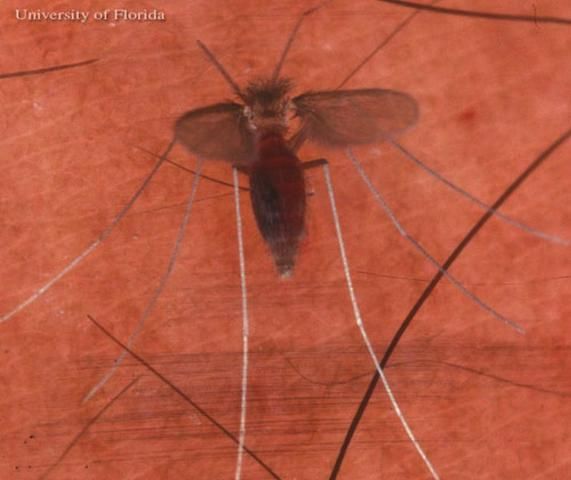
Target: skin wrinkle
[475, 371]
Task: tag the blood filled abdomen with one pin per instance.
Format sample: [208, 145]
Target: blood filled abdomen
[277, 187]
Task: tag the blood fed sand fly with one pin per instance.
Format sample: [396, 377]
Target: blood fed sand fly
[253, 137]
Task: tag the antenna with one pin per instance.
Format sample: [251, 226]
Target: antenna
[291, 37]
[222, 70]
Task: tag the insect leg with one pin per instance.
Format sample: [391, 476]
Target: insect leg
[245, 327]
[381, 201]
[102, 236]
[156, 294]
[506, 218]
[357, 314]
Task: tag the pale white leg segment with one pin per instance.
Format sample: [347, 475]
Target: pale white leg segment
[245, 328]
[359, 321]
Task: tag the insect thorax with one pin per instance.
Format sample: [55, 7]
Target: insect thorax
[267, 104]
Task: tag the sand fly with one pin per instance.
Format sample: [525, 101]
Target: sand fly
[253, 136]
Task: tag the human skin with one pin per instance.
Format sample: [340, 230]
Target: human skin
[483, 400]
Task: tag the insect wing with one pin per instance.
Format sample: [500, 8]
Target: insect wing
[217, 132]
[340, 118]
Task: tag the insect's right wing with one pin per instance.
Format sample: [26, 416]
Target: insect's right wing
[217, 132]
[341, 118]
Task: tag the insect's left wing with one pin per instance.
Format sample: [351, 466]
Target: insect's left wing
[217, 132]
[340, 118]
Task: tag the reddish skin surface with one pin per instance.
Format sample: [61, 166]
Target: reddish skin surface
[71, 159]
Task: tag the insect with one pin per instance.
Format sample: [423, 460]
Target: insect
[305, 365]
[253, 137]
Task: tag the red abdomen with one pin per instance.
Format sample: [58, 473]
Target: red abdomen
[277, 191]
